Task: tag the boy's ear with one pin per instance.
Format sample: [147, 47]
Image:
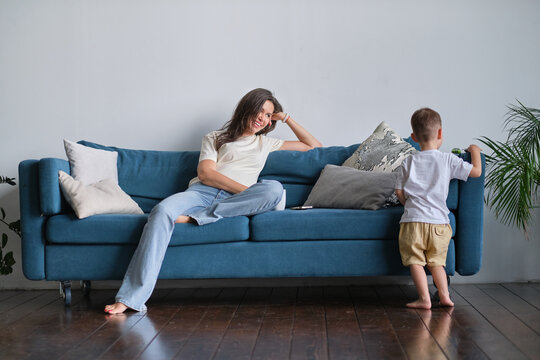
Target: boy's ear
[439, 134]
[413, 137]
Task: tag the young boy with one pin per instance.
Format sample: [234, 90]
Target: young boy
[422, 188]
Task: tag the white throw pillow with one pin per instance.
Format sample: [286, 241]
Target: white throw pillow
[90, 165]
[384, 151]
[281, 204]
[103, 197]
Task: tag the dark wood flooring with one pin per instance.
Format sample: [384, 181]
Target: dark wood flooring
[497, 321]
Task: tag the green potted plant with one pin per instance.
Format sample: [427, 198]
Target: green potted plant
[6, 260]
[513, 170]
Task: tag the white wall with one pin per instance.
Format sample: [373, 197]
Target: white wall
[160, 74]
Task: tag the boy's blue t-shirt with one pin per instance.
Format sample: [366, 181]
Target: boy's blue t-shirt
[425, 179]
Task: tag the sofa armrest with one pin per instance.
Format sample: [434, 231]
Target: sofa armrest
[51, 199]
[470, 222]
[32, 222]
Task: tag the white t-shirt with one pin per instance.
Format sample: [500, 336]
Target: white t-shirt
[241, 160]
[425, 179]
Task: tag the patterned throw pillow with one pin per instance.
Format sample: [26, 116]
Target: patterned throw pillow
[382, 151]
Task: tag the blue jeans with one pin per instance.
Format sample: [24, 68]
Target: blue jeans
[205, 205]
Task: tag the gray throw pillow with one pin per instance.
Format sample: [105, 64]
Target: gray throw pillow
[347, 188]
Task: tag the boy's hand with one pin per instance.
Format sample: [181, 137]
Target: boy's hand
[401, 196]
[475, 160]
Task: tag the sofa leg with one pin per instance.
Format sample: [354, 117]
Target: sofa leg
[65, 290]
[86, 286]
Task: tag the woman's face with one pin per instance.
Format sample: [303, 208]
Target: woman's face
[261, 120]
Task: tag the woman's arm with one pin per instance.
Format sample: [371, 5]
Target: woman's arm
[208, 175]
[306, 140]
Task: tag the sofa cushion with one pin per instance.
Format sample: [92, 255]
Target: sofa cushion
[153, 174]
[127, 229]
[329, 224]
[303, 167]
[296, 194]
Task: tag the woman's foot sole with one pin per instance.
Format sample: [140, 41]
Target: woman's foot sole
[183, 219]
[116, 308]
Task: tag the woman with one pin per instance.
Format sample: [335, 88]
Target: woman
[226, 185]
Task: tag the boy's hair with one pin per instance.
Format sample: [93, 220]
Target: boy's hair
[425, 123]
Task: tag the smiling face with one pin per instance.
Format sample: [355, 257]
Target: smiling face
[261, 120]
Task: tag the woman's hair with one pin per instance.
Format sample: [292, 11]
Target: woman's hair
[248, 107]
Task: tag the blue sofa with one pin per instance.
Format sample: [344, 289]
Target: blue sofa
[290, 243]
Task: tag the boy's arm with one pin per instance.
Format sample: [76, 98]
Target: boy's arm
[476, 161]
[401, 196]
[399, 184]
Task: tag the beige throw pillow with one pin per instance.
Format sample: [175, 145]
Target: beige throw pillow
[103, 197]
[90, 165]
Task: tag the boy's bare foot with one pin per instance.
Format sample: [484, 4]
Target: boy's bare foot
[183, 219]
[420, 304]
[116, 308]
[445, 300]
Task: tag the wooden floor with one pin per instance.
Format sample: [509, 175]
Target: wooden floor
[498, 321]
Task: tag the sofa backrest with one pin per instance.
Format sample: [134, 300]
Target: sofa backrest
[149, 176]
[153, 174]
[298, 171]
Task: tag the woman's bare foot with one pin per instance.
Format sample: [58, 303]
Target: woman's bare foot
[116, 308]
[183, 219]
[420, 304]
[445, 300]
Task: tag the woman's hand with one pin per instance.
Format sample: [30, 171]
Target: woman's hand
[305, 142]
[208, 175]
[279, 116]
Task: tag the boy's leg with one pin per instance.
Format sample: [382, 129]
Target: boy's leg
[420, 281]
[439, 278]
[256, 199]
[436, 258]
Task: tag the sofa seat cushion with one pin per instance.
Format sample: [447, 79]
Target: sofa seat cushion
[127, 229]
[329, 224]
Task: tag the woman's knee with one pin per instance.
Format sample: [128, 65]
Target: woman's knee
[273, 189]
[161, 210]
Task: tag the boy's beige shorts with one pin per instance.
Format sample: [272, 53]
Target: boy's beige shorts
[423, 243]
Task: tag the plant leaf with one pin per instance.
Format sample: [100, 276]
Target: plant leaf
[7, 180]
[523, 126]
[15, 226]
[4, 240]
[511, 180]
[9, 259]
